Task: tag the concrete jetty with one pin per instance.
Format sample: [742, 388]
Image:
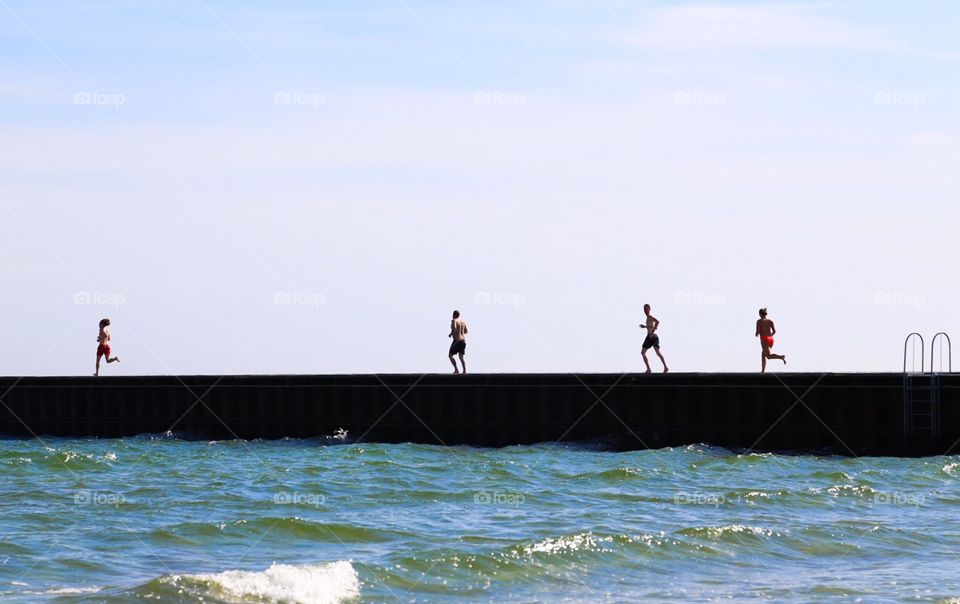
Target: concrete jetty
[847, 414]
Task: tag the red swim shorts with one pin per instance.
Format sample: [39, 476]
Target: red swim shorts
[767, 339]
[103, 350]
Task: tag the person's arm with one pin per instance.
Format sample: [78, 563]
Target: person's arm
[757, 335]
[450, 335]
[773, 329]
[465, 330]
[656, 324]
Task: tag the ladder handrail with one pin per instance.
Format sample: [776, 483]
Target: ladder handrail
[933, 344]
[923, 346]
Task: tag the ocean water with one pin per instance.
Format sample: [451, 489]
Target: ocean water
[170, 520]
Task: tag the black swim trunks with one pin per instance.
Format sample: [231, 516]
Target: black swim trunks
[651, 342]
[458, 347]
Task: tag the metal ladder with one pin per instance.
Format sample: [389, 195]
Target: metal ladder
[921, 391]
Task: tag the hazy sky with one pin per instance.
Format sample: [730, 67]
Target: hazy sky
[313, 187]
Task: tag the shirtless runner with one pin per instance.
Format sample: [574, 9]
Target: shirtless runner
[652, 340]
[458, 331]
[103, 350]
[765, 331]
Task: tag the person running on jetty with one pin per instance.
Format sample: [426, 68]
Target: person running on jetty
[458, 331]
[652, 340]
[765, 331]
[103, 350]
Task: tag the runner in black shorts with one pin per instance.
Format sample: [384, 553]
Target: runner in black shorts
[458, 331]
[458, 347]
[652, 340]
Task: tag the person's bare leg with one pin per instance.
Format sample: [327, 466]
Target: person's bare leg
[643, 353]
[463, 361]
[97, 372]
[114, 360]
[454, 363]
[763, 360]
[662, 360]
[779, 357]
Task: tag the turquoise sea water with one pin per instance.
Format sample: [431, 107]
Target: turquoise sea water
[170, 520]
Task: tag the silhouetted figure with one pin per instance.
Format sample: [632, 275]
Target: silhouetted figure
[103, 350]
[652, 340]
[458, 331]
[765, 331]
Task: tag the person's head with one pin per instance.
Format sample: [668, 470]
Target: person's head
[763, 313]
[456, 314]
[646, 309]
[104, 323]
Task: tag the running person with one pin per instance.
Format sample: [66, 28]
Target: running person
[103, 349]
[652, 340]
[458, 331]
[765, 331]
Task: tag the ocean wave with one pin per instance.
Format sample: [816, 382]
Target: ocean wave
[65, 460]
[615, 475]
[287, 583]
[300, 528]
[64, 591]
[856, 490]
[473, 569]
[566, 544]
[725, 532]
[835, 476]
[622, 544]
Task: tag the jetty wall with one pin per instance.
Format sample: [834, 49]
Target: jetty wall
[847, 414]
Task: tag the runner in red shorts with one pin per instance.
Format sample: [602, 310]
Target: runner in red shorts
[765, 331]
[103, 350]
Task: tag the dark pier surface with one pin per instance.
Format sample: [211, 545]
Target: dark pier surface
[848, 414]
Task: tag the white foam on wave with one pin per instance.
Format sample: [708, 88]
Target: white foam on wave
[852, 489]
[316, 583]
[64, 591]
[737, 529]
[567, 544]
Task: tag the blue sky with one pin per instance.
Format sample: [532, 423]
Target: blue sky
[313, 187]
